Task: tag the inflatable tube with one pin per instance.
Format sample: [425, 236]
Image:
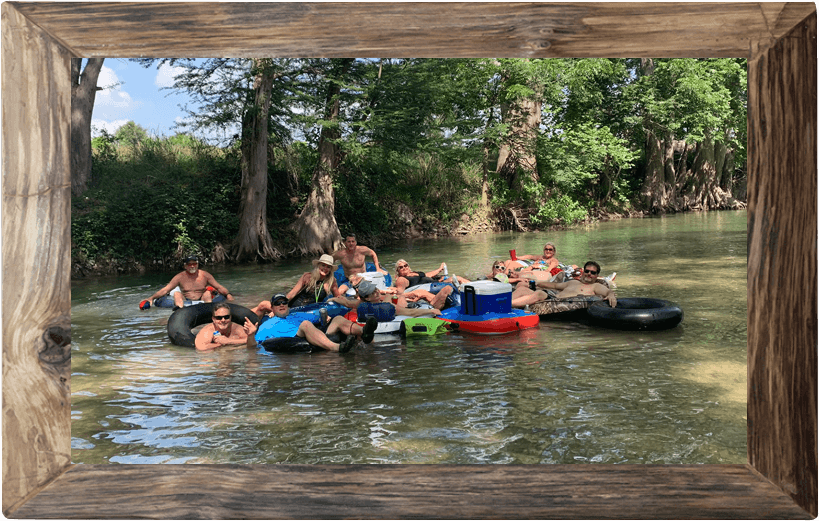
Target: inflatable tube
[341, 278]
[184, 319]
[166, 301]
[453, 300]
[294, 344]
[571, 307]
[636, 314]
[491, 323]
[425, 326]
[314, 310]
[384, 328]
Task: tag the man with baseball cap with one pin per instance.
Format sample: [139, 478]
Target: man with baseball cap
[277, 324]
[193, 284]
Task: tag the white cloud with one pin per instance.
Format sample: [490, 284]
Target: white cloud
[166, 74]
[97, 125]
[112, 96]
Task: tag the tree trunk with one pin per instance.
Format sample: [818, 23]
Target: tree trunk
[705, 192]
[517, 160]
[654, 194]
[83, 93]
[254, 238]
[316, 226]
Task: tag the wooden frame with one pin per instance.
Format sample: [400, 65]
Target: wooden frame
[780, 479]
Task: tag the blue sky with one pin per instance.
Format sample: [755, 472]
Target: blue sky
[136, 97]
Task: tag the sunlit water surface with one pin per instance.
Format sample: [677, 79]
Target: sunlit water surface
[560, 393]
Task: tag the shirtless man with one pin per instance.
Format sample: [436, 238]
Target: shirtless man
[222, 332]
[352, 258]
[587, 285]
[193, 284]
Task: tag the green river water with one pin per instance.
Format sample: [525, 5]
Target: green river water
[560, 393]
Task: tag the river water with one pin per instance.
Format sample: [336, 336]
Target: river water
[560, 393]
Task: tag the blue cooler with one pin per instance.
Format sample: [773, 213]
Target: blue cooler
[486, 296]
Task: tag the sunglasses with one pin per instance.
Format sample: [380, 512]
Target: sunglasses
[590, 272]
[221, 317]
[280, 303]
[548, 249]
[498, 267]
[401, 267]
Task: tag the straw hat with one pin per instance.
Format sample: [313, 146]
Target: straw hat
[326, 259]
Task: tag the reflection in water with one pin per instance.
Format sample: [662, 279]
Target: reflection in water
[560, 393]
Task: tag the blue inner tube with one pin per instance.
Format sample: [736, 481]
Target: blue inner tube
[635, 314]
[166, 301]
[184, 319]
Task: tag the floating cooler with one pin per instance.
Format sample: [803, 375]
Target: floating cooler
[376, 277]
[486, 296]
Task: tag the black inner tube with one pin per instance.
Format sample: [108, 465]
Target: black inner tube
[636, 314]
[183, 320]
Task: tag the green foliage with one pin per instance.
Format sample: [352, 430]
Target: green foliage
[131, 135]
[150, 204]
[413, 137]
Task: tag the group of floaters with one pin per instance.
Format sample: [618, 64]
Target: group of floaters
[335, 309]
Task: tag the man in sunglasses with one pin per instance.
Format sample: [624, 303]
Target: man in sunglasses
[193, 283]
[222, 332]
[586, 286]
[275, 324]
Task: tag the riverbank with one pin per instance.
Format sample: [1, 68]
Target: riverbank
[503, 219]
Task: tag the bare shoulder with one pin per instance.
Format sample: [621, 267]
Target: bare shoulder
[206, 331]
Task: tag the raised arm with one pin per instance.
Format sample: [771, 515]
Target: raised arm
[432, 274]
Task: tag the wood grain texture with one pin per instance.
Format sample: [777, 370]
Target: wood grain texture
[406, 30]
[412, 491]
[40, 38]
[36, 240]
[782, 227]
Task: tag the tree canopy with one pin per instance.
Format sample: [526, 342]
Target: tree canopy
[394, 147]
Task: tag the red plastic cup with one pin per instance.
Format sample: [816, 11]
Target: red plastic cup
[513, 255]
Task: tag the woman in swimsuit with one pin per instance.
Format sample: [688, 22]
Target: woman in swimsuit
[315, 286]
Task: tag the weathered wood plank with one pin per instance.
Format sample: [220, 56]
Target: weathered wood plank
[415, 29]
[782, 298]
[412, 491]
[36, 239]
[39, 200]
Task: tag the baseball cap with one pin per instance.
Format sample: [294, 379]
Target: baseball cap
[190, 258]
[278, 296]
